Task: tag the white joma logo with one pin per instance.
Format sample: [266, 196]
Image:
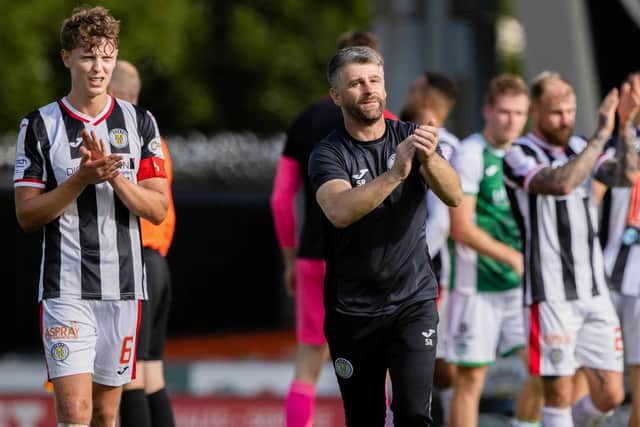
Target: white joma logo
[76, 143]
[361, 174]
[427, 337]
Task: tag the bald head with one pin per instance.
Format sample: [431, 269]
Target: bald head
[125, 82]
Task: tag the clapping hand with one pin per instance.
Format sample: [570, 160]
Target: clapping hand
[96, 166]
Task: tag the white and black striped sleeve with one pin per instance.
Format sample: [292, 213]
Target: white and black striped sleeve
[608, 153]
[30, 170]
[152, 157]
[520, 165]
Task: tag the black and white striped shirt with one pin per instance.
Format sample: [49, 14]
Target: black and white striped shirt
[93, 250]
[621, 251]
[563, 257]
[622, 261]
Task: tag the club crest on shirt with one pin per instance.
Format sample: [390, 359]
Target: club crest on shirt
[556, 355]
[391, 160]
[344, 368]
[155, 146]
[59, 351]
[119, 138]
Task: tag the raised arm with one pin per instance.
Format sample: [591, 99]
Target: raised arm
[437, 172]
[564, 179]
[621, 170]
[343, 205]
[149, 198]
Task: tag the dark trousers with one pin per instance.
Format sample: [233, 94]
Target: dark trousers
[155, 310]
[363, 349]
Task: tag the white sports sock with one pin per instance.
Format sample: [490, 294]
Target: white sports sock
[556, 417]
[585, 414]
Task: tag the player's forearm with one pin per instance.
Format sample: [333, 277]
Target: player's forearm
[621, 171]
[563, 180]
[348, 205]
[442, 180]
[35, 209]
[286, 184]
[148, 203]
[480, 241]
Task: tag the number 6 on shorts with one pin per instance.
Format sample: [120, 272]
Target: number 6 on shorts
[127, 347]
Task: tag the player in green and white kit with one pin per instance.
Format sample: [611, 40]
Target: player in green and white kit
[485, 309]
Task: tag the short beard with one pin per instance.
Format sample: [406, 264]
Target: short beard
[554, 139]
[362, 117]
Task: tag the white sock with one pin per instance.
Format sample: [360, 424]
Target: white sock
[585, 414]
[556, 417]
[519, 423]
[446, 396]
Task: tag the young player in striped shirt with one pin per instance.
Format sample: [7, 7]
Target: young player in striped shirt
[87, 166]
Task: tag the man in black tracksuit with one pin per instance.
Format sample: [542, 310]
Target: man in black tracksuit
[370, 179]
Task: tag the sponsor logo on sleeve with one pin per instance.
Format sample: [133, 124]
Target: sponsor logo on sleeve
[22, 163]
[155, 146]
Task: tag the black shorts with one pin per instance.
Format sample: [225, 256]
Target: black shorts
[155, 310]
[364, 348]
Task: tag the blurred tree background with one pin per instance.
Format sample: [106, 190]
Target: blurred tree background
[206, 65]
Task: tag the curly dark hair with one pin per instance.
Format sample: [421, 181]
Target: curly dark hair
[89, 26]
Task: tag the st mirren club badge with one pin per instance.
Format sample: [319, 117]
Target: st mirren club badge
[59, 351]
[344, 368]
[119, 138]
